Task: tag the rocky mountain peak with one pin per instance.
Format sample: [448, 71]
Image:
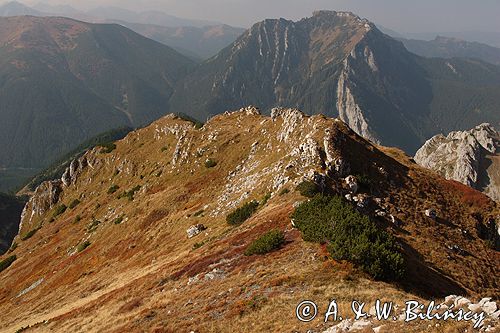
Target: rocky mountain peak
[470, 157]
[345, 15]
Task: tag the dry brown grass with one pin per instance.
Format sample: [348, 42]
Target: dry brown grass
[134, 276]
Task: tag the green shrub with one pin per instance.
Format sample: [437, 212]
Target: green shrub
[93, 225]
[265, 199]
[83, 246]
[243, 213]
[350, 236]
[209, 163]
[364, 181]
[74, 203]
[4, 264]
[284, 191]
[163, 149]
[130, 193]
[308, 189]
[78, 218]
[198, 213]
[59, 210]
[198, 245]
[29, 234]
[113, 188]
[266, 243]
[13, 247]
[107, 147]
[118, 220]
[197, 124]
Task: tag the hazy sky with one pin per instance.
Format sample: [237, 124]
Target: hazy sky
[401, 15]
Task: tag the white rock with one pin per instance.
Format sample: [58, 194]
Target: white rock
[484, 301]
[352, 184]
[449, 300]
[459, 156]
[195, 230]
[489, 307]
[475, 307]
[495, 315]
[343, 326]
[462, 302]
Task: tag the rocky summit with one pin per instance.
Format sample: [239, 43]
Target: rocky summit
[149, 235]
[341, 65]
[470, 157]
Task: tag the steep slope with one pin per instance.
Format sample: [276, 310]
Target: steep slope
[445, 47]
[64, 81]
[10, 216]
[336, 63]
[470, 157]
[119, 258]
[197, 42]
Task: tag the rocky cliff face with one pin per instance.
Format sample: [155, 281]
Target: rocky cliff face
[339, 64]
[470, 157]
[145, 229]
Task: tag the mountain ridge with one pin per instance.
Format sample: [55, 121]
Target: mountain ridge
[99, 77]
[310, 64]
[126, 237]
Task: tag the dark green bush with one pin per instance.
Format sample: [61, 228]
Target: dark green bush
[308, 189]
[93, 225]
[197, 124]
[266, 243]
[78, 218]
[243, 213]
[350, 236]
[284, 191]
[198, 245]
[107, 147]
[118, 220]
[198, 213]
[59, 210]
[113, 188]
[364, 181]
[209, 163]
[4, 264]
[13, 247]
[74, 203]
[29, 234]
[265, 199]
[83, 246]
[130, 193]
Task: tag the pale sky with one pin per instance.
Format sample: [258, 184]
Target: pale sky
[400, 15]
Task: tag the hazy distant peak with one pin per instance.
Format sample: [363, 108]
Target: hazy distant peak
[15, 8]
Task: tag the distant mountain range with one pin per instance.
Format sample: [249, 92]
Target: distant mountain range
[101, 14]
[196, 39]
[64, 81]
[446, 47]
[338, 64]
[198, 43]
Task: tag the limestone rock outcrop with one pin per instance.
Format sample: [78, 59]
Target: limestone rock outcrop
[470, 157]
